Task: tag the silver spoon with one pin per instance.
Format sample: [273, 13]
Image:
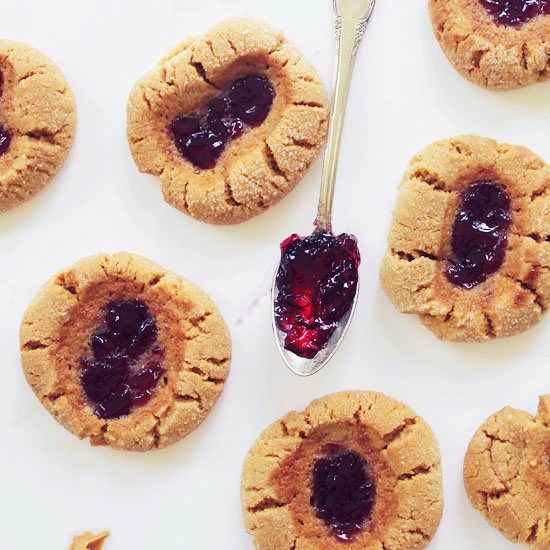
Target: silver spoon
[350, 22]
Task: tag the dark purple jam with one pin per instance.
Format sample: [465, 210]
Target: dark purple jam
[343, 492]
[5, 135]
[316, 283]
[201, 138]
[480, 234]
[512, 13]
[126, 364]
[5, 140]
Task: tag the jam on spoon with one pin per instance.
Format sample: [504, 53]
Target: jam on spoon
[201, 138]
[512, 13]
[126, 364]
[316, 285]
[480, 234]
[343, 492]
[5, 134]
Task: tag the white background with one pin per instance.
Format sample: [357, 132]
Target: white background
[404, 96]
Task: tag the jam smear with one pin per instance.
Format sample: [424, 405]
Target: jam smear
[316, 282]
[127, 362]
[5, 135]
[201, 138]
[343, 492]
[480, 234]
[512, 13]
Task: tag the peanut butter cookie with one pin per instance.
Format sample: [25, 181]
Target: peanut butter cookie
[230, 121]
[355, 467]
[507, 476]
[498, 44]
[37, 122]
[468, 248]
[125, 353]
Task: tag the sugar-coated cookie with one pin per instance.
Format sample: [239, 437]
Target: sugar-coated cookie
[355, 467]
[507, 475]
[498, 44]
[125, 353]
[37, 122]
[468, 247]
[230, 121]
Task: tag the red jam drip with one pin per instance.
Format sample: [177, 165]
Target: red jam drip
[343, 492]
[201, 138]
[316, 283]
[480, 234]
[126, 364]
[5, 134]
[512, 13]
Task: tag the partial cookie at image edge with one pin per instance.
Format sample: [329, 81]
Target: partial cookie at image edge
[41, 136]
[507, 475]
[490, 55]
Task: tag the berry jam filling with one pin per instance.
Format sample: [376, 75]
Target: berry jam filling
[342, 492]
[5, 140]
[201, 138]
[512, 13]
[126, 364]
[5, 135]
[480, 234]
[316, 283]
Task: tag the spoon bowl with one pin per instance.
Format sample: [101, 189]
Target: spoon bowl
[306, 367]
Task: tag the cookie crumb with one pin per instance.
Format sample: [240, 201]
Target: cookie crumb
[89, 541]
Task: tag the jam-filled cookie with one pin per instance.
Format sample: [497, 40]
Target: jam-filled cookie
[37, 122]
[507, 473]
[469, 248]
[125, 353]
[230, 121]
[498, 44]
[354, 467]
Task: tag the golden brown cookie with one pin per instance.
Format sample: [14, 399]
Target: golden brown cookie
[37, 122]
[416, 272]
[125, 353]
[507, 476]
[494, 52]
[358, 467]
[89, 541]
[259, 165]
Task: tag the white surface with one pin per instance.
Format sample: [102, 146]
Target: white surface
[404, 96]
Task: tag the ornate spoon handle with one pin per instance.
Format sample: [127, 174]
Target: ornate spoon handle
[351, 17]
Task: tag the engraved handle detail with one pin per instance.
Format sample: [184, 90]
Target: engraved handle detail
[350, 22]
